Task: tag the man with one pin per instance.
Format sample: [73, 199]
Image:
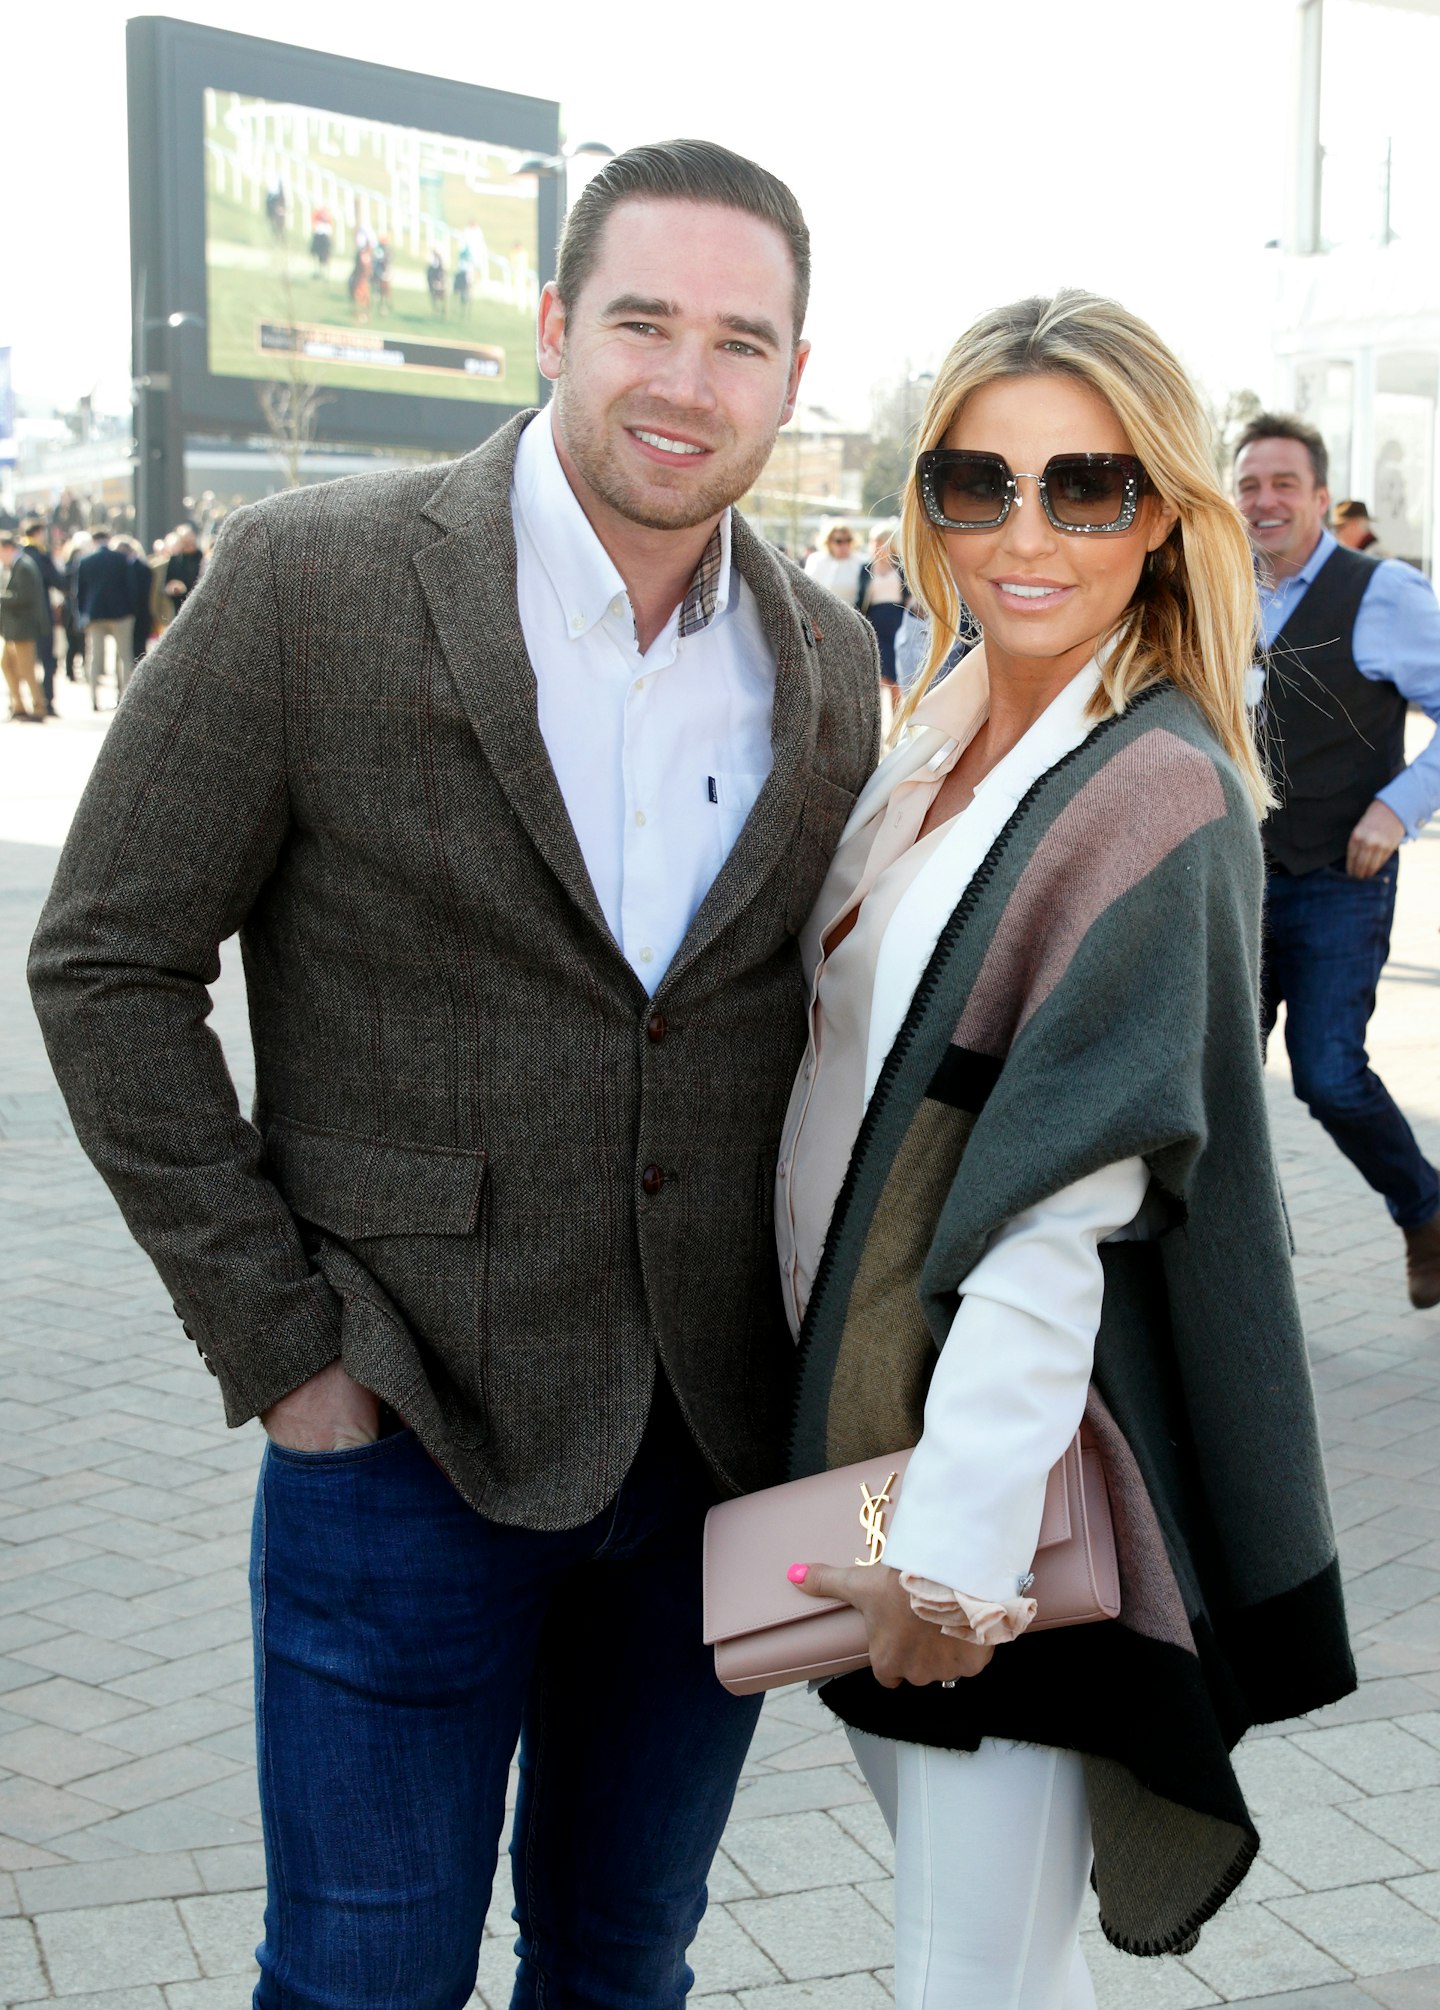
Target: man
[105, 599]
[1354, 529]
[32, 538]
[1351, 641]
[517, 777]
[182, 568]
[23, 612]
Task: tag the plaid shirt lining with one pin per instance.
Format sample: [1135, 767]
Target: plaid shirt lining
[698, 606]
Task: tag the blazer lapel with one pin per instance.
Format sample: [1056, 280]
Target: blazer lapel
[793, 731]
[468, 578]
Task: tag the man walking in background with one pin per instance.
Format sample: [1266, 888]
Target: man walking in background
[1354, 529]
[24, 609]
[105, 599]
[517, 777]
[182, 568]
[1352, 641]
[32, 539]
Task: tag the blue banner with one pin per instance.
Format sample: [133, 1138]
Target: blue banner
[7, 411]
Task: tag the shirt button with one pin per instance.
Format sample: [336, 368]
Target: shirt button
[656, 1027]
[577, 622]
[617, 606]
[639, 683]
[783, 1167]
[640, 817]
[647, 955]
[652, 1179]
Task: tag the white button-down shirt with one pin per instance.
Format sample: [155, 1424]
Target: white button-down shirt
[659, 756]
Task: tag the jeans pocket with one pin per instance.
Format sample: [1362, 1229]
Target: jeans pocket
[347, 1455]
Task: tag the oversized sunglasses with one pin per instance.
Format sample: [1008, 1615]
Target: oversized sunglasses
[1080, 493]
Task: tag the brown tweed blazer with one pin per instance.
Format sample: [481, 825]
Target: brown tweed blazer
[484, 1168]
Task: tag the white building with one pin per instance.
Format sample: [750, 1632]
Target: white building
[1357, 327]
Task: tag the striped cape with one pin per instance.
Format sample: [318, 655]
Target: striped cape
[1093, 997]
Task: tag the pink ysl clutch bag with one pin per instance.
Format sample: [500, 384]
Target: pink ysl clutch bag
[766, 1632]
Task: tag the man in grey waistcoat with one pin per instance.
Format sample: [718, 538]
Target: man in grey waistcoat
[517, 778]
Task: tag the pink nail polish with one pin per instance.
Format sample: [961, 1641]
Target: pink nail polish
[798, 1572]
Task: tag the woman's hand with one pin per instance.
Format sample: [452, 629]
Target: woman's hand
[902, 1647]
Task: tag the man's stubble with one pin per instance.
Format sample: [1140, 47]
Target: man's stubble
[597, 461]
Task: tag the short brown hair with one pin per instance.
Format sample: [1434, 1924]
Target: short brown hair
[33, 526]
[681, 171]
[1288, 426]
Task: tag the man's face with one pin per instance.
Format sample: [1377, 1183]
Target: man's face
[676, 365]
[1281, 501]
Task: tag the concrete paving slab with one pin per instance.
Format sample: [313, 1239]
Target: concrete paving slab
[21, 1975]
[115, 1946]
[1248, 1949]
[1415, 1989]
[1362, 1922]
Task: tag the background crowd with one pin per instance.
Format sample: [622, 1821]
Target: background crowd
[95, 620]
[80, 595]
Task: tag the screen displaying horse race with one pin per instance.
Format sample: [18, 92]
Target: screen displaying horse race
[348, 252]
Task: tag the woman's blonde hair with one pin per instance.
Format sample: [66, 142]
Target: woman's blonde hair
[1194, 618]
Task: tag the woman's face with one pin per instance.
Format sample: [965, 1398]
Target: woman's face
[839, 544]
[1085, 583]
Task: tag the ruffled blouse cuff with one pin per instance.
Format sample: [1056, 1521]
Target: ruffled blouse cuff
[981, 1622]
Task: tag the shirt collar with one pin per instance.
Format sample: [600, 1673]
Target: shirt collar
[709, 588]
[584, 576]
[959, 704]
[1305, 576]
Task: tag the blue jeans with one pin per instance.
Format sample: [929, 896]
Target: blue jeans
[1326, 940]
[403, 1644]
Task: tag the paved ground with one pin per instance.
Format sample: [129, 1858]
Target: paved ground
[129, 1854]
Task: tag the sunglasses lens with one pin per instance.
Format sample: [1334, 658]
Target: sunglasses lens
[1087, 491]
[968, 488]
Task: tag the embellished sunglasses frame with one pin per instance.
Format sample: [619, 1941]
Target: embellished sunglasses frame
[931, 468]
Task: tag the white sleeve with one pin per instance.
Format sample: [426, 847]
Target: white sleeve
[1009, 1390]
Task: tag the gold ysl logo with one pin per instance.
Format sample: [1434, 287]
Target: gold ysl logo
[872, 1520]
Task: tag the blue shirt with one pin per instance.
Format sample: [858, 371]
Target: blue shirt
[1396, 641]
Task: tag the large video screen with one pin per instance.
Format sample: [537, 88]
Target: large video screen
[366, 256]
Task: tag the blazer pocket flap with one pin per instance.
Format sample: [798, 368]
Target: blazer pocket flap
[357, 1186]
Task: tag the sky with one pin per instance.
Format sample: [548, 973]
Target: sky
[948, 157]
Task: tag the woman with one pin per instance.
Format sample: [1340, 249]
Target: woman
[880, 595]
[836, 565]
[1030, 1138]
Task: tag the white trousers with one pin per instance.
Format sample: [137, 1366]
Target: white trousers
[992, 1859]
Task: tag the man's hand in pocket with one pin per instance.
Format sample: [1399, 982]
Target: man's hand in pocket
[329, 1413]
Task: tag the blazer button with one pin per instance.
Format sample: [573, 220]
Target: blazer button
[652, 1179]
[657, 1026]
